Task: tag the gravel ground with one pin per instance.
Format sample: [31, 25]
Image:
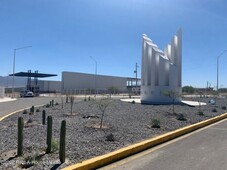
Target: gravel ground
[129, 123]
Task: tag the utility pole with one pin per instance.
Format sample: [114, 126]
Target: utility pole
[136, 71]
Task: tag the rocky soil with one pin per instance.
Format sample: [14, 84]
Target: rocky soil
[123, 124]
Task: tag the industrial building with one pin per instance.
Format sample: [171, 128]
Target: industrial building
[74, 83]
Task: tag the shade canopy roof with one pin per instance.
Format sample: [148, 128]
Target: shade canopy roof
[36, 75]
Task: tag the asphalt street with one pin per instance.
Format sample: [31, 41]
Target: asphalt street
[21, 103]
[204, 149]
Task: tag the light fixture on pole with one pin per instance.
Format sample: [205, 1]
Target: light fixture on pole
[95, 73]
[218, 66]
[14, 62]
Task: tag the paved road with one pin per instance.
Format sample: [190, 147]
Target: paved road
[205, 149]
[21, 103]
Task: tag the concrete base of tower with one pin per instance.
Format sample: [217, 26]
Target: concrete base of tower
[160, 95]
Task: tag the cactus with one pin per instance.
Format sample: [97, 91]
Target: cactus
[71, 103]
[62, 142]
[49, 133]
[52, 103]
[44, 117]
[67, 99]
[20, 136]
[32, 109]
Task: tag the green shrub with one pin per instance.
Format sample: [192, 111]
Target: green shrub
[32, 109]
[181, 117]
[133, 102]
[47, 105]
[110, 137]
[155, 123]
[214, 110]
[54, 145]
[29, 161]
[223, 107]
[56, 103]
[37, 110]
[200, 113]
[25, 112]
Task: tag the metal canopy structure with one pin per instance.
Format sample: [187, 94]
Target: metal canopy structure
[35, 75]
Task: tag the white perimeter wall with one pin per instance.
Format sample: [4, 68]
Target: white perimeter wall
[76, 81]
[49, 86]
[2, 92]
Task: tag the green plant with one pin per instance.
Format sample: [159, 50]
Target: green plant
[56, 104]
[67, 99]
[37, 110]
[62, 141]
[25, 112]
[71, 104]
[155, 123]
[223, 107]
[30, 160]
[200, 113]
[54, 145]
[112, 90]
[32, 109]
[20, 136]
[102, 104]
[188, 89]
[47, 105]
[173, 95]
[49, 134]
[214, 110]
[181, 117]
[110, 137]
[133, 102]
[44, 117]
[52, 103]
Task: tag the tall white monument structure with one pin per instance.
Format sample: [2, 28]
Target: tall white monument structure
[161, 71]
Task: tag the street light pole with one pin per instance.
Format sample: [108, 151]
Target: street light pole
[136, 77]
[14, 63]
[218, 66]
[95, 73]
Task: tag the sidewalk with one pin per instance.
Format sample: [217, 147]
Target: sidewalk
[7, 99]
[202, 149]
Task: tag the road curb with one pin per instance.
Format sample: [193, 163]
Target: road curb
[3, 117]
[111, 157]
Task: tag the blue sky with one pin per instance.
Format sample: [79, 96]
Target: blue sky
[64, 33]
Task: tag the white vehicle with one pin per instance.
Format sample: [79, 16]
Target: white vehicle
[26, 93]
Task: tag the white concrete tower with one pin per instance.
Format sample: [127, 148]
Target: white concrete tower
[161, 71]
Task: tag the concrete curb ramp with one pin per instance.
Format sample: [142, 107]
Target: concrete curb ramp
[111, 157]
